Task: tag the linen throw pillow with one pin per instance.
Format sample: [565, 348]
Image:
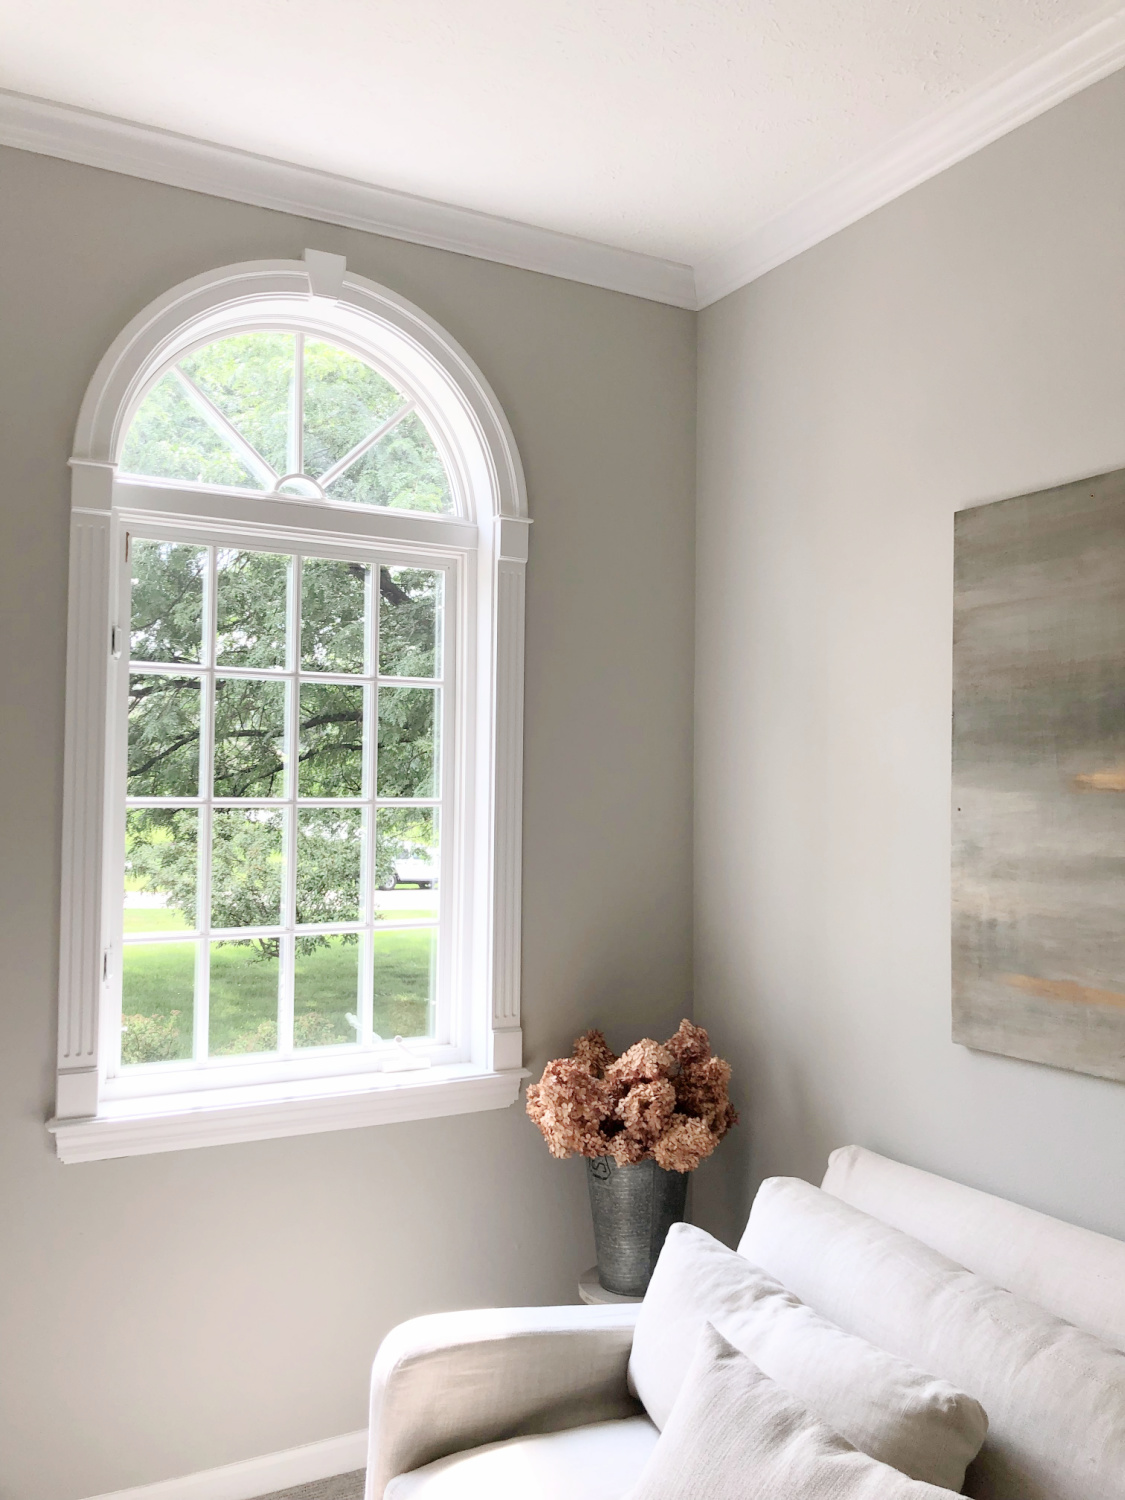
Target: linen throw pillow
[733, 1434]
[884, 1407]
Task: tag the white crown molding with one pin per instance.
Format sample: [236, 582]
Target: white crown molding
[96, 140]
[1064, 67]
[259, 1476]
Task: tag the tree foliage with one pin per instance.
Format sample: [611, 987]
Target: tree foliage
[253, 591]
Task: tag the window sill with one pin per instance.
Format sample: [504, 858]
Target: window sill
[139, 1127]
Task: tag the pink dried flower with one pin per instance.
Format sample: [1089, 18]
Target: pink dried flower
[684, 1145]
[626, 1151]
[645, 1062]
[569, 1104]
[690, 1044]
[701, 1089]
[666, 1103]
[593, 1053]
[646, 1110]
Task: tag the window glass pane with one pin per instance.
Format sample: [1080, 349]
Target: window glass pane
[246, 869]
[331, 741]
[157, 1002]
[326, 991]
[169, 439]
[253, 590]
[329, 847]
[161, 869]
[410, 622]
[333, 615]
[406, 864]
[243, 1014]
[163, 735]
[402, 470]
[407, 742]
[345, 400]
[249, 738]
[405, 971]
[249, 378]
[167, 601]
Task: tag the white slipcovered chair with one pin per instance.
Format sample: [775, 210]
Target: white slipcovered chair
[514, 1403]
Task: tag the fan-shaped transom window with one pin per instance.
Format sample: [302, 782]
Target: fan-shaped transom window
[285, 413]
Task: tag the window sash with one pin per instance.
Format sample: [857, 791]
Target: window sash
[452, 1019]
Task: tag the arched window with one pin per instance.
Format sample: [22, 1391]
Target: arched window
[291, 819]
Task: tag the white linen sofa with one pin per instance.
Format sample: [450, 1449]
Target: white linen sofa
[534, 1403]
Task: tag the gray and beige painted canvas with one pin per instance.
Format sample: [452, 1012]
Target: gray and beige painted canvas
[1039, 777]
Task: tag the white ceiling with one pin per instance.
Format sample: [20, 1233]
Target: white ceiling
[670, 127]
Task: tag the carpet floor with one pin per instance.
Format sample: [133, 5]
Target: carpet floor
[340, 1487]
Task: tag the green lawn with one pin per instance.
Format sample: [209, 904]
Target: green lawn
[158, 982]
[403, 964]
[154, 919]
[243, 999]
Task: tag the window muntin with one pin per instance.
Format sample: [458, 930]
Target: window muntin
[280, 412]
[284, 785]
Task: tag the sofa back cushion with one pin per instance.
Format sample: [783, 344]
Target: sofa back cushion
[914, 1422]
[1075, 1273]
[1055, 1395]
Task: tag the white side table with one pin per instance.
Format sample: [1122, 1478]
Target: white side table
[594, 1294]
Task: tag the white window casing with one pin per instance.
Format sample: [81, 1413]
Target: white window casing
[477, 1063]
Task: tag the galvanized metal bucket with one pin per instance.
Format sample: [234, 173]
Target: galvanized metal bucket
[633, 1209]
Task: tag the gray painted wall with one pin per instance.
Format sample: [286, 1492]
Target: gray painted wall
[965, 343]
[168, 1313]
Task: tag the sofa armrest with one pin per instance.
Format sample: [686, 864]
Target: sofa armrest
[451, 1381]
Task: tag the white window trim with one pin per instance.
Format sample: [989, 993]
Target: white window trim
[492, 530]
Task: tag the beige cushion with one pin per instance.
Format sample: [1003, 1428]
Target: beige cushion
[599, 1462]
[885, 1407]
[735, 1435]
[1055, 1396]
[1072, 1272]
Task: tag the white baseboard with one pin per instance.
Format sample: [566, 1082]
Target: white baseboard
[258, 1476]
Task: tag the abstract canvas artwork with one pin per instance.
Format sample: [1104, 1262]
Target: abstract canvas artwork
[1039, 777]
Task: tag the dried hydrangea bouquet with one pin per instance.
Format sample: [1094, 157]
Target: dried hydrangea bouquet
[644, 1120]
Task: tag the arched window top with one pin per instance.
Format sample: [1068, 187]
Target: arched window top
[275, 410]
[301, 380]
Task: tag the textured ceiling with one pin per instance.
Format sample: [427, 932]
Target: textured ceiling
[674, 127]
